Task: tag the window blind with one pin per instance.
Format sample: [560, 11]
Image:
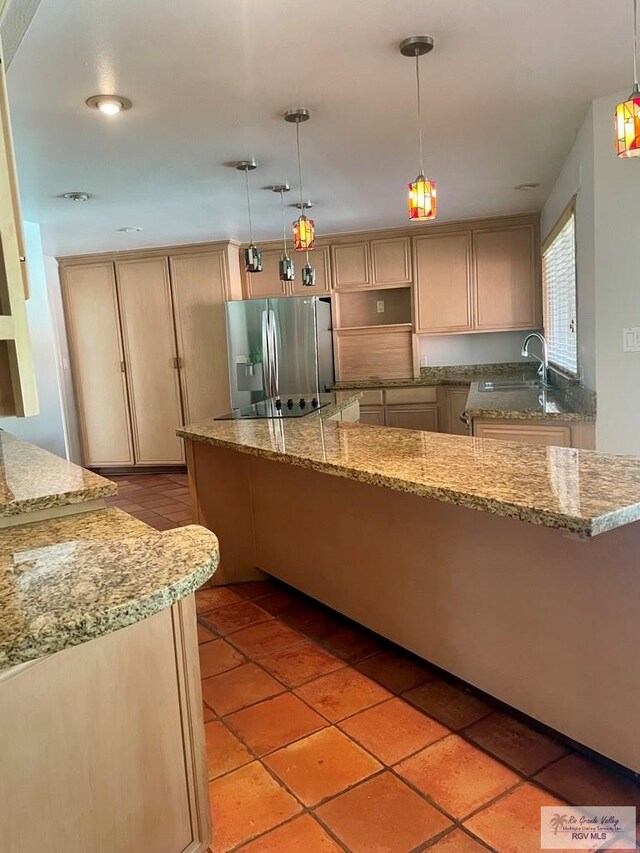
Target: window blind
[559, 297]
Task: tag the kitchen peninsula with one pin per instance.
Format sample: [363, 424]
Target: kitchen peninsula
[512, 566]
[97, 633]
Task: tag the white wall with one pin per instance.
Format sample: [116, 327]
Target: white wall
[47, 428]
[485, 348]
[577, 178]
[617, 254]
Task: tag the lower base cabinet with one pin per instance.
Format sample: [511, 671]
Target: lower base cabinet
[429, 408]
[423, 417]
[546, 434]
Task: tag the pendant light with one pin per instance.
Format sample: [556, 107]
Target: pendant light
[422, 191]
[287, 269]
[627, 120]
[303, 228]
[252, 254]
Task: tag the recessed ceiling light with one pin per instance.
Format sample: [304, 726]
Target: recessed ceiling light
[109, 104]
[127, 229]
[526, 187]
[77, 196]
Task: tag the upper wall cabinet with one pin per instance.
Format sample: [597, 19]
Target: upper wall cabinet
[265, 284]
[481, 280]
[371, 263]
[443, 296]
[505, 272]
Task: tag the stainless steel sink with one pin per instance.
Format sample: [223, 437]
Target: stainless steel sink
[509, 385]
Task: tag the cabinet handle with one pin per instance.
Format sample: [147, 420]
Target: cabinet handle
[122, 367]
[464, 417]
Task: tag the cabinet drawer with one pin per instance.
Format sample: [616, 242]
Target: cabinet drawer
[395, 396]
[372, 415]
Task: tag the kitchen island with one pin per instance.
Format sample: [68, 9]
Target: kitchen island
[512, 566]
[100, 702]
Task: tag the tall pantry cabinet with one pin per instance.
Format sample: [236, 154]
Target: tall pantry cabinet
[147, 339]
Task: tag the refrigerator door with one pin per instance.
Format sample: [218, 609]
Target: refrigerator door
[324, 325]
[296, 352]
[245, 345]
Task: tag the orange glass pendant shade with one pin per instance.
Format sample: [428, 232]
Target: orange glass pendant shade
[422, 199]
[304, 238]
[627, 123]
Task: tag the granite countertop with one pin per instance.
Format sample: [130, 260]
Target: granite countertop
[458, 374]
[68, 580]
[34, 479]
[579, 491]
[529, 404]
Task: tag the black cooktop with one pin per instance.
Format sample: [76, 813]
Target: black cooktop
[285, 406]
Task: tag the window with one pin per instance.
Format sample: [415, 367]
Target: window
[559, 293]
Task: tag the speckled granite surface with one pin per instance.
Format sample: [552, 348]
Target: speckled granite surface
[68, 580]
[529, 404]
[459, 374]
[33, 479]
[579, 491]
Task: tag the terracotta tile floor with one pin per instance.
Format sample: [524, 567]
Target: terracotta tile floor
[323, 737]
[161, 500]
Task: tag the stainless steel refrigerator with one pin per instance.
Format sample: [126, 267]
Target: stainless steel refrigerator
[278, 347]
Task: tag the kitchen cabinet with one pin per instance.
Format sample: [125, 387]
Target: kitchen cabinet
[18, 394]
[151, 360]
[198, 289]
[147, 339]
[423, 417]
[505, 278]
[452, 401]
[95, 344]
[386, 352]
[372, 415]
[481, 279]
[266, 284]
[546, 434]
[371, 263]
[443, 291]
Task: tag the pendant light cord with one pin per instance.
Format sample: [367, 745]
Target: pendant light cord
[284, 226]
[300, 165]
[418, 108]
[246, 176]
[635, 44]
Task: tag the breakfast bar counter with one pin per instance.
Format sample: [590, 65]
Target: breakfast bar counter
[512, 566]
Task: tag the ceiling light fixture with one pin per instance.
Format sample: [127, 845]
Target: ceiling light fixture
[526, 187]
[252, 254]
[109, 104]
[128, 229]
[77, 196]
[286, 266]
[627, 119]
[422, 191]
[304, 239]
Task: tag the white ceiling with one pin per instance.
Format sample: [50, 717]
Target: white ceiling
[504, 93]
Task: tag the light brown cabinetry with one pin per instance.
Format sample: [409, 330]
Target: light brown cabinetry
[548, 434]
[151, 360]
[371, 263]
[18, 395]
[452, 401]
[381, 353]
[423, 417]
[505, 278]
[443, 297]
[372, 415]
[478, 280]
[93, 328]
[198, 287]
[147, 337]
[266, 284]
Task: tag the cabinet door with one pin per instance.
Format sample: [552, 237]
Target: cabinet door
[424, 417]
[319, 260]
[151, 360]
[351, 265]
[97, 364]
[441, 264]
[391, 261]
[198, 287]
[372, 415]
[506, 282]
[456, 404]
[260, 285]
[543, 434]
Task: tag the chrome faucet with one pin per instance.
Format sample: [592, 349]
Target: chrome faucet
[544, 362]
